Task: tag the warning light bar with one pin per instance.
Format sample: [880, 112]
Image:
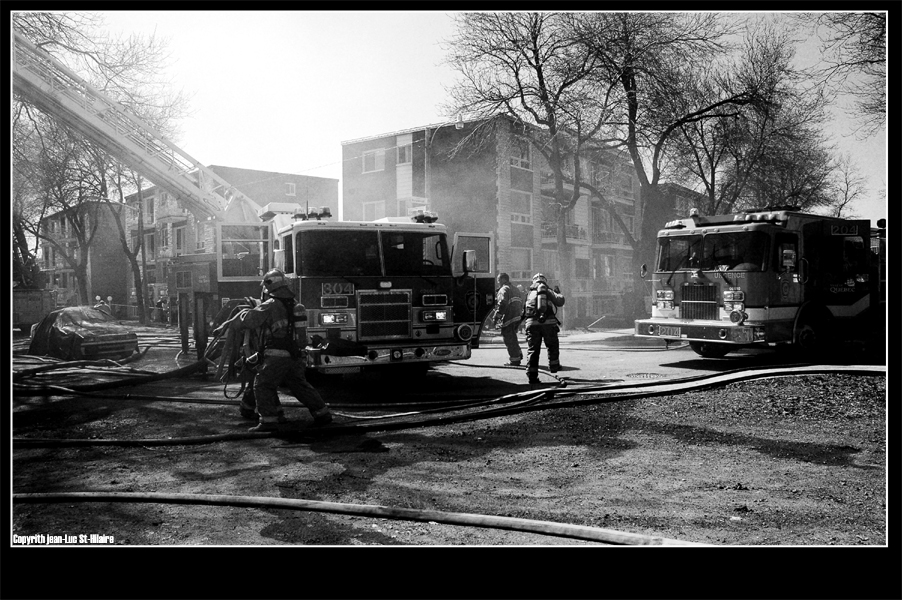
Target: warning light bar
[314, 213]
[423, 216]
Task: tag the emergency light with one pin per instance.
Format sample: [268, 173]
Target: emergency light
[314, 213]
[423, 216]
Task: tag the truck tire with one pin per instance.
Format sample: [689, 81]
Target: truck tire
[812, 336]
[710, 349]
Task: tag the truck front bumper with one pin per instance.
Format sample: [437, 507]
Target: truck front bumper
[701, 331]
[320, 360]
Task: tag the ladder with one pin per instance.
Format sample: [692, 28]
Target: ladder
[61, 93]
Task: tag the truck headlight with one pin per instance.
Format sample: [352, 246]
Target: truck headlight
[664, 295]
[333, 318]
[434, 316]
[731, 295]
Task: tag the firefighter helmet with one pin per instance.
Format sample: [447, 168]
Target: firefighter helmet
[539, 278]
[276, 284]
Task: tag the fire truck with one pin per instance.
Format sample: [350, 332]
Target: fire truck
[772, 277]
[383, 292]
[379, 293]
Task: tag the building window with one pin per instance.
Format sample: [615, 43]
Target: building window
[552, 261]
[404, 154]
[148, 210]
[625, 184]
[521, 263]
[521, 207]
[244, 250]
[199, 243]
[373, 210]
[179, 240]
[289, 189]
[183, 279]
[520, 153]
[150, 247]
[374, 160]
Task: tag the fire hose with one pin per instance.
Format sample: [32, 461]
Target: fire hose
[580, 532]
[522, 402]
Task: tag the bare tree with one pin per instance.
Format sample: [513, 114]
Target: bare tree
[529, 68]
[62, 183]
[848, 185]
[656, 57]
[773, 151]
[853, 48]
[128, 70]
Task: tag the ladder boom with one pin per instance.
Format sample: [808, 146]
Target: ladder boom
[61, 93]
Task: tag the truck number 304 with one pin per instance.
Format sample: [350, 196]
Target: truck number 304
[346, 289]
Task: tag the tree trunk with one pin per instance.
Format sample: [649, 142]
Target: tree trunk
[564, 254]
[81, 277]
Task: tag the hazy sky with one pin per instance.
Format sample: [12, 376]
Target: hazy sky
[280, 90]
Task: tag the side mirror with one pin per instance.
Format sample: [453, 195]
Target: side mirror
[788, 259]
[469, 261]
[643, 271]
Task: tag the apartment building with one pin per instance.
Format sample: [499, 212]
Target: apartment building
[497, 184]
[105, 261]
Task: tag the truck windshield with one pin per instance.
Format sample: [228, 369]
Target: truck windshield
[737, 251]
[357, 253]
[415, 253]
[338, 253]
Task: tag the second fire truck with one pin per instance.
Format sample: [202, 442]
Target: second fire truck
[771, 277]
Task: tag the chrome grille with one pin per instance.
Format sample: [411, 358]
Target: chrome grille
[698, 302]
[383, 314]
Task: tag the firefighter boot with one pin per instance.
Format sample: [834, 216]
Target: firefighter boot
[247, 411]
[322, 416]
[270, 424]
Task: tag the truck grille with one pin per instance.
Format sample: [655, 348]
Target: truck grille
[384, 314]
[699, 302]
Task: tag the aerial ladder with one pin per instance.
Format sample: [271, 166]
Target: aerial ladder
[59, 92]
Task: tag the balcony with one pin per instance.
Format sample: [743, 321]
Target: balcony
[575, 234]
[170, 212]
[608, 238]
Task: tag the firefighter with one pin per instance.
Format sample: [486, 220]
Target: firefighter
[542, 324]
[279, 360]
[508, 313]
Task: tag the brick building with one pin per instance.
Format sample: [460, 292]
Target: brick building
[105, 265]
[499, 185]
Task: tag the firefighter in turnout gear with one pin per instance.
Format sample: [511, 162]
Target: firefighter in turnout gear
[508, 313]
[280, 323]
[542, 324]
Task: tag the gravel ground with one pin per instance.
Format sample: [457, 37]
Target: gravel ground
[794, 461]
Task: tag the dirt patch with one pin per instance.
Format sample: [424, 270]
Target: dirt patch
[783, 461]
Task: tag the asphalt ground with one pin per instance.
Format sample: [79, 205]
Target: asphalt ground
[598, 356]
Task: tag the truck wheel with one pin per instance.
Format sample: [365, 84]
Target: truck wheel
[710, 349]
[812, 341]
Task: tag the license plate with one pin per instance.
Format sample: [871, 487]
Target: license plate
[743, 334]
[665, 330]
